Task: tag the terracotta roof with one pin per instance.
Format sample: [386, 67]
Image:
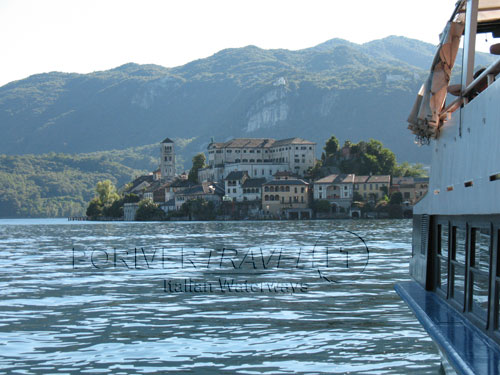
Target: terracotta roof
[326, 180]
[286, 182]
[246, 142]
[216, 145]
[379, 178]
[346, 179]
[360, 179]
[336, 179]
[259, 143]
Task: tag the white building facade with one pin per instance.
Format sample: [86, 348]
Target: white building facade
[259, 157]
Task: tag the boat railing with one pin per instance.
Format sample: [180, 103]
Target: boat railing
[485, 79]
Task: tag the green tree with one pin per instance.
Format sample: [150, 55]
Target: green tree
[106, 192]
[405, 169]
[347, 143]
[94, 209]
[331, 146]
[131, 198]
[314, 173]
[199, 209]
[396, 198]
[115, 209]
[369, 158]
[198, 163]
[149, 211]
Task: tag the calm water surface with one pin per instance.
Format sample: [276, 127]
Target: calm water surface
[208, 298]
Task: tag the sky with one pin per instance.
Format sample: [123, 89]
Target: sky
[83, 36]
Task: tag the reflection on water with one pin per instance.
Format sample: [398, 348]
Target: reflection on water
[208, 298]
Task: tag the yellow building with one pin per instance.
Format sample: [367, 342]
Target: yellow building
[412, 189]
[372, 188]
[286, 199]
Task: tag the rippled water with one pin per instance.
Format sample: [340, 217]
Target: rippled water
[208, 298]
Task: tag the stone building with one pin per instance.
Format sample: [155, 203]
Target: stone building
[167, 160]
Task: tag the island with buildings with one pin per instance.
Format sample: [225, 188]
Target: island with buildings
[263, 178]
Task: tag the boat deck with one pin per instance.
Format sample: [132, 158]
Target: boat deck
[467, 349]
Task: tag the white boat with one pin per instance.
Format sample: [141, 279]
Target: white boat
[455, 260]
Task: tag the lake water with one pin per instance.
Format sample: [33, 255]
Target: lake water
[208, 298]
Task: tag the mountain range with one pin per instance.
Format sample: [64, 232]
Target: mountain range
[63, 132]
[354, 91]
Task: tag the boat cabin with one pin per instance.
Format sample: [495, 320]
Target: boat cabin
[455, 260]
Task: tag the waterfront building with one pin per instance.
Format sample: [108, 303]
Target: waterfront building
[252, 189]
[178, 185]
[337, 189]
[129, 210]
[233, 185]
[286, 199]
[155, 191]
[207, 191]
[372, 188]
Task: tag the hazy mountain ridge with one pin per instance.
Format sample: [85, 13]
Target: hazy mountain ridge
[338, 87]
[60, 185]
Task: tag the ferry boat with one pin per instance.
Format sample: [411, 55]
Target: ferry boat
[455, 264]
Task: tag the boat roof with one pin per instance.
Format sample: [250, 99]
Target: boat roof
[488, 15]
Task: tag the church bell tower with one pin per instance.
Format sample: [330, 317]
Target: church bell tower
[167, 160]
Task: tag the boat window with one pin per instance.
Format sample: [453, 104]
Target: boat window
[459, 249]
[479, 271]
[457, 265]
[442, 257]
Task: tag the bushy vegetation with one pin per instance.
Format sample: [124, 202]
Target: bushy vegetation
[364, 158]
[198, 163]
[107, 203]
[58, 185]
[369, 158]
[149, 211]
[198, 209]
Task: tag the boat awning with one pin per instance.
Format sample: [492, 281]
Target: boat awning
[467, 349]
[424, 117]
